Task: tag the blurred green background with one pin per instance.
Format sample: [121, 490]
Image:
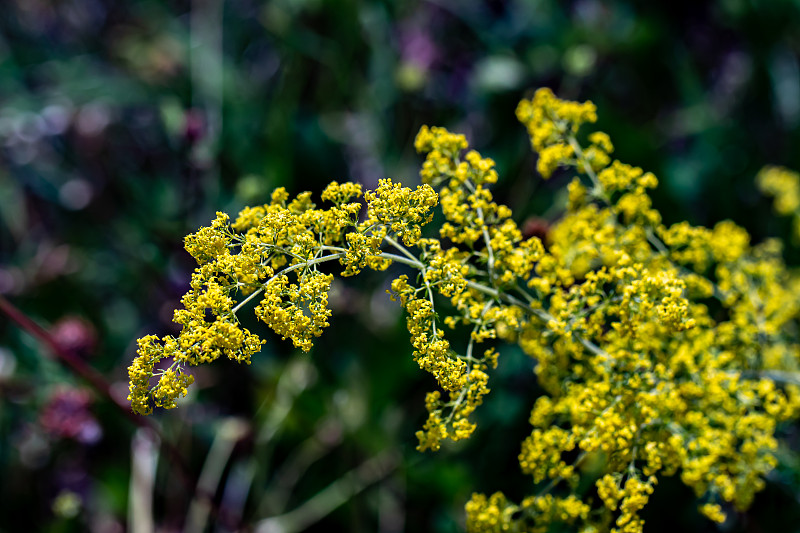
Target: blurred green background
[124, 125]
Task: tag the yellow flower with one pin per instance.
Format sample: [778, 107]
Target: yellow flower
[643, 377]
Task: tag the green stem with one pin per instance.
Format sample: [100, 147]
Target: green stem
[581, 158]
[334, 495]
[402, 249]
[485, 232]
[778, 376]
[298, 266]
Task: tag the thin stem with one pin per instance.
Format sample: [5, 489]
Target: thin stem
[581, 158]
[418, 264]
[400, 259]
[298, 266]
[653, 239]
[553, 482]
[484, 231]
[252, 295]
[455, 405]
[540, 313]
[402, 249]
[101, 385]
[284, 251]
[495, 293]
[592, 347]
[778, 376]
[337, 493]
[412, 262]
[230, 432]
[487, 241]
[74, 363]
[433, 305]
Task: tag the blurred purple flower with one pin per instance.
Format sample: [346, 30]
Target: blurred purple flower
[194, 127]
[417, 48]
[75, 335]
[67, 415]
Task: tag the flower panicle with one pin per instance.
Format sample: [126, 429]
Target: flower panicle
[641, 379]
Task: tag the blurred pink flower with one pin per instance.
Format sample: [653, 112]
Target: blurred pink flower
[67, 415]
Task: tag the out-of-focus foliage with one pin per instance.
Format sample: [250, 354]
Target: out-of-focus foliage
[126, 125]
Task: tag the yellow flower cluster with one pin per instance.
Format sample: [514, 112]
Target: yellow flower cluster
[551, 122]
[487, 255]
[784, 185]
[400, 210]
[535, 514]
[642, 379]
[282, 307]
[663, 349]
[273, 252]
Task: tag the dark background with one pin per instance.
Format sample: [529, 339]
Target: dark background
[124, 125]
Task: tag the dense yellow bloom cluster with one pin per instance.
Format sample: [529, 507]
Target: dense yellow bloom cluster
[784, 185]
[663, 349]
[498, 514]
[643, 379]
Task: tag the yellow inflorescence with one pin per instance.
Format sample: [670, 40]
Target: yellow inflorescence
[640, 376]
[784, 185]
[643, 379]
